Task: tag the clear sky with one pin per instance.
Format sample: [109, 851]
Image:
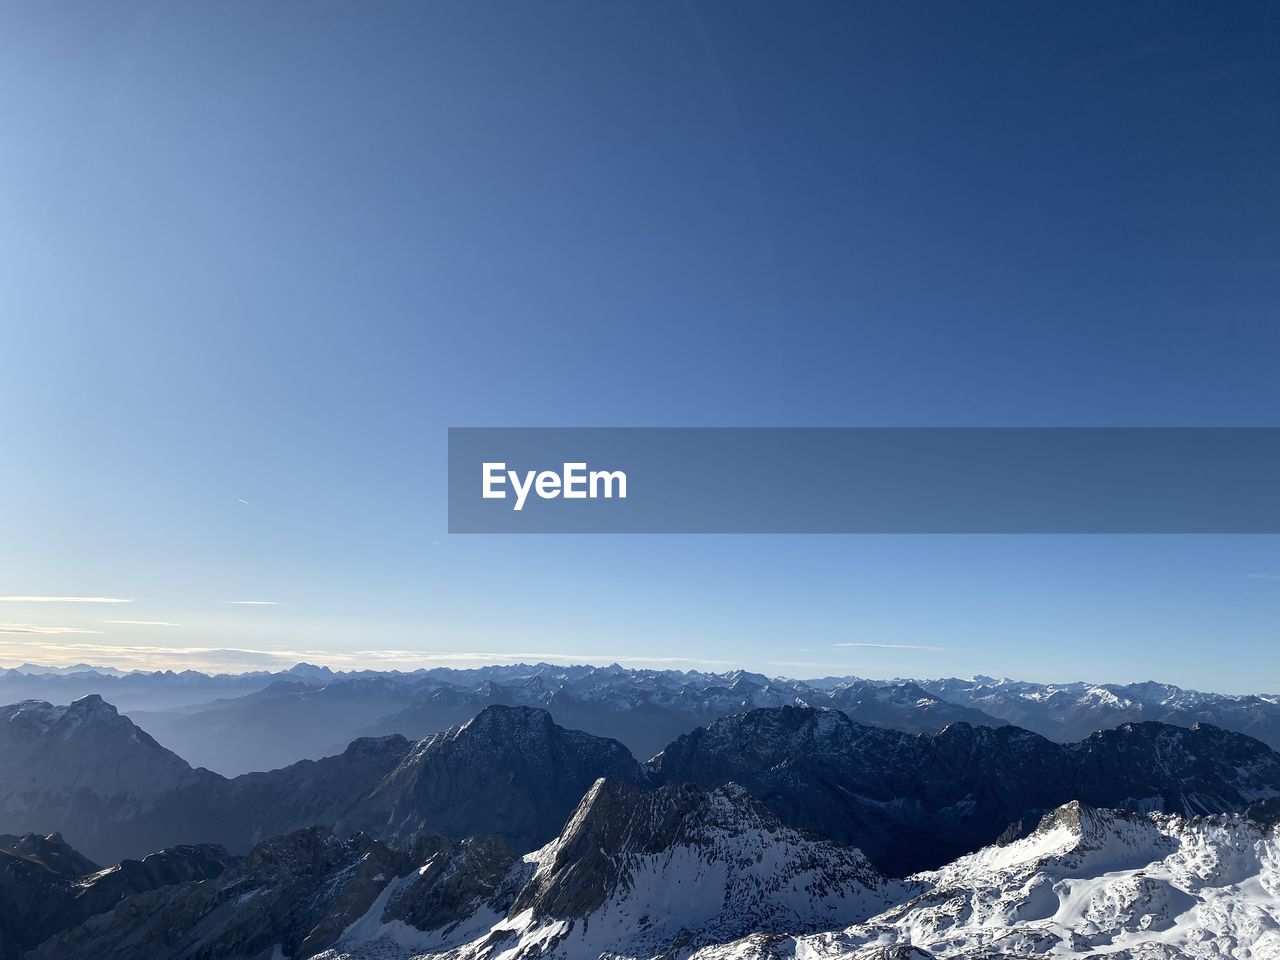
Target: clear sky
[256, 258]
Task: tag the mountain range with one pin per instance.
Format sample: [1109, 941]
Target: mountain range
[236, 723]
[751, 835]
[908, 801]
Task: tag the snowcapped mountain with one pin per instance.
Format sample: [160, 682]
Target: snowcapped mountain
[644, 873]
[1074, 710]
[1085, 883]
[912, 802]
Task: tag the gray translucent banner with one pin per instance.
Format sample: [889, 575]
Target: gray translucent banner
[864, 480]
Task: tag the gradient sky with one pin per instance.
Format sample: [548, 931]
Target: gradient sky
[256, 258]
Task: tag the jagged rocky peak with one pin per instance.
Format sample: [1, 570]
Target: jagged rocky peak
[765, 733]
[311, 851]
[1081, 828]
[47, 887]
[375, 747]
[455, 879]
[51, 852]
[615, 821]
[88, 717]
[509, 772]
[515, 726]
[45, 717]
[621, 839]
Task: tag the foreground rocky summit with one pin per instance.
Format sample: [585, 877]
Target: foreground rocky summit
[635, 872]
[712, 875]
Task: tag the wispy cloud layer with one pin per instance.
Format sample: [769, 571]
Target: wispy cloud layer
[254, 603]
[65, 600]
[1263, 576]
[888, 646]
[145, 623]
[35, 629]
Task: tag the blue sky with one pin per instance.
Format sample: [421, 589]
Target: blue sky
[269, 253]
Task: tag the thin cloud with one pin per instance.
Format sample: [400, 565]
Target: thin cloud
[32, 629]
[254, 603]
[1263, 576]
[145, 623]
[244, 501]
[889, 646]
[65, 600]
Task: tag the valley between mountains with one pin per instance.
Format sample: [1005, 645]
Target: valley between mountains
[785, 829]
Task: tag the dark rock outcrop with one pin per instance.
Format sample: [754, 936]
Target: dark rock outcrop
[46, 887]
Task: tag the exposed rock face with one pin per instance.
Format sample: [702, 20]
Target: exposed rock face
[916, 802]
[52, 853]
[511, 773]
[299, 891]
[258, 806]
[47, 887]
[92, 775]
[643, 873]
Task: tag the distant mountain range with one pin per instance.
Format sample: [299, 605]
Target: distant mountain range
[261, 721]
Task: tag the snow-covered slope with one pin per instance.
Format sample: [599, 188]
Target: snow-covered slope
[643, 873]
[1085, 883]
